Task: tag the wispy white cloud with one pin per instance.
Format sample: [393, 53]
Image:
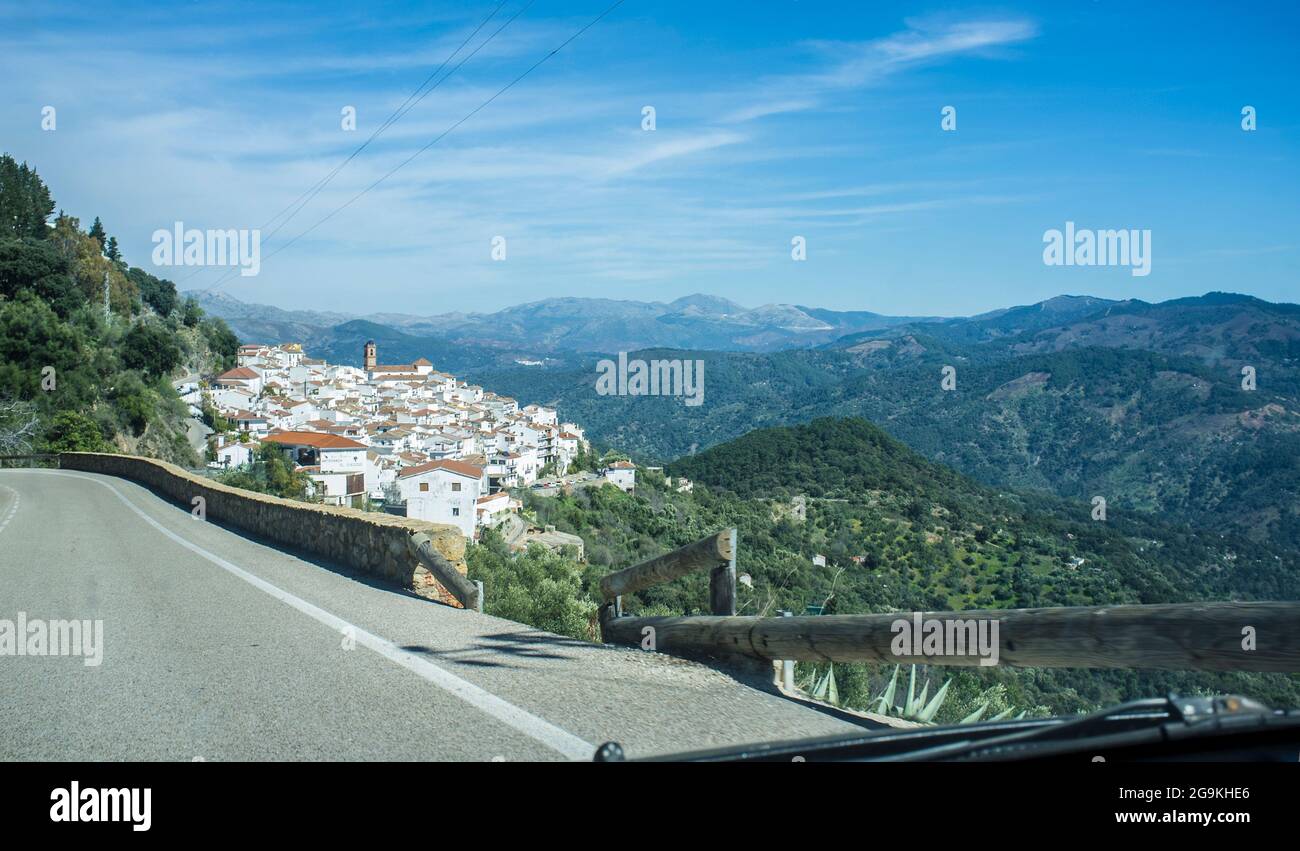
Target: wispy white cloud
[846, 65]
[668, 149]
[198, 127]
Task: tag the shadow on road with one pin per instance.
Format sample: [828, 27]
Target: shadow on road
[505, 645]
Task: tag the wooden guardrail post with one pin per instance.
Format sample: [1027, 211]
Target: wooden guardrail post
[716, 553]
[706, 553]
[722, 582]
[606, 613]
[468, 594]
[787, 665]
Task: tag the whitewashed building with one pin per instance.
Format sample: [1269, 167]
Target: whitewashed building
[444, 492]
[621, 474]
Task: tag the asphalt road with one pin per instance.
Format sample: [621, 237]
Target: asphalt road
[217, 647]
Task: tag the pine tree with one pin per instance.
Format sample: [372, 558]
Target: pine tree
[25, 202]
[97, 231]
[111, 251]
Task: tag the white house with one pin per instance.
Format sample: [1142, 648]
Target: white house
[502, 471]
[234, 454]
[529, 464]
[231, 398]
[443, 491]
[540, 415]
[622, 474]
[250, 353]
[302, 411]
[243, 377]
[250, 422]
[336, 464]
[488, 508]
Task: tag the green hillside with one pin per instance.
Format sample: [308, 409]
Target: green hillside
[73, 376]
[1148, 430]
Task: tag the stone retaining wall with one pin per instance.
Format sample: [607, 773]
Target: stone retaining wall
[372, 543]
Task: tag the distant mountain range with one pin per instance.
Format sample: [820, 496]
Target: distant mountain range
[559, 325]
[1144, 404]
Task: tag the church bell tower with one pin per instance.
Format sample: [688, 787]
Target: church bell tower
[370, 355]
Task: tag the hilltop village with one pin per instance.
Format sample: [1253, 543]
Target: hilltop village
[404, 437]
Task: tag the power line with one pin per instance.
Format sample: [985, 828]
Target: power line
[437, 138]
[404, 108]
[392, 119]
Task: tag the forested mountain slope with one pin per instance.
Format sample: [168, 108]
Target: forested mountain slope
[73, 376]
[1167, 428]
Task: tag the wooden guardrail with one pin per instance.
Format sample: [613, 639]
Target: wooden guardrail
[1212, 636]
[716, 553]
[469, 594]
[1178, 636]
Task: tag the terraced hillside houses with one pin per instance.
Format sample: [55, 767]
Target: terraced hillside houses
[407, 436]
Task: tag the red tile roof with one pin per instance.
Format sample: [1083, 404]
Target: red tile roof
[458, 467]
[311, 438]
[239, 372]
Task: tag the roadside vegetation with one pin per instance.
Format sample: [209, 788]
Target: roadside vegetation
[90, 381]
[270, 472]
[899, 534]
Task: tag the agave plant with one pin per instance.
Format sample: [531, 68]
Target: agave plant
[825, 690]
[979, 713]
[921, 707]
[918, 707]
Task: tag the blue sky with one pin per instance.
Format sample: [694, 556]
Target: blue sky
[773, 119]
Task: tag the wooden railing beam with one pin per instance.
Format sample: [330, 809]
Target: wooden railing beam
[1179, 636]
[705, 554]
[469, 594]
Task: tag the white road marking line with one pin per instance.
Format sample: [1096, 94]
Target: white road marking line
[13, 507]
[520, 719]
